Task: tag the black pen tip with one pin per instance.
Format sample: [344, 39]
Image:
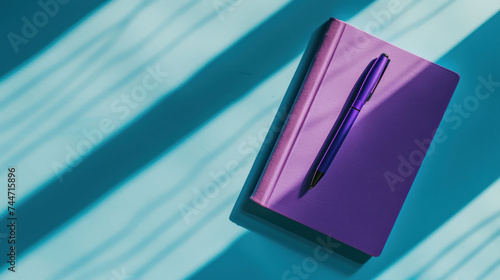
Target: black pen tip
[317, 176]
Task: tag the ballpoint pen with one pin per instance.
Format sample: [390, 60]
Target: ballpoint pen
[364, 94]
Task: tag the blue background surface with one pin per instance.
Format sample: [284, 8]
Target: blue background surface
[133, 126]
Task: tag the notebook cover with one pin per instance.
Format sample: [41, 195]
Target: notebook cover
[359, 198]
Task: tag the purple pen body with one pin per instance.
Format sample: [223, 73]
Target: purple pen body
[338, 135]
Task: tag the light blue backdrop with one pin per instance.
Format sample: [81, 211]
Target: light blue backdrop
[133, 125]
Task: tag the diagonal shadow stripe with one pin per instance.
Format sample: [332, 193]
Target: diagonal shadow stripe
[117, 32]
[70, 119]
[260, 53]
[110, 32]
[141, 214]
[63, 20]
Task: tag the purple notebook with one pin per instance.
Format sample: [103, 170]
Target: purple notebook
[360, 196]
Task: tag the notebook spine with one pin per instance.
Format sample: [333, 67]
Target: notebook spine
[299, 111]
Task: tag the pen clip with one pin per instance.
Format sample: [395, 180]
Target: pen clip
[373, 90]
